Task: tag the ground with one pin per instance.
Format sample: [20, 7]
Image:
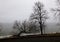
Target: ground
[34, 38]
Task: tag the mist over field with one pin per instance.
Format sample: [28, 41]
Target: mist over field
[11, 10]
[51, 28]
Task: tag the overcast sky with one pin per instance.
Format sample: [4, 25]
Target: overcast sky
[11, 10]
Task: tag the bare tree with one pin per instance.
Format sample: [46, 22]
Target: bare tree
[20, 27]
[39, 14]
[57, 11]
[16, 27]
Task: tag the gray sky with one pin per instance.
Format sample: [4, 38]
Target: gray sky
[11, 10]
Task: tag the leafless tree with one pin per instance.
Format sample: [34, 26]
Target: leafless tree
[57, 11]
[39, 14]
[20, 27]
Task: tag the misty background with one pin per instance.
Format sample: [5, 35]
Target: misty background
[11, 10]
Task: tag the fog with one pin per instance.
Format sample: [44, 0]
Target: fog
[11, 10]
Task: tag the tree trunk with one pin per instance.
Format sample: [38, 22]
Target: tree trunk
[41, 28]
[21, 33]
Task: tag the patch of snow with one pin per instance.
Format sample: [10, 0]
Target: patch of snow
[5, 36]
[25, 34]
